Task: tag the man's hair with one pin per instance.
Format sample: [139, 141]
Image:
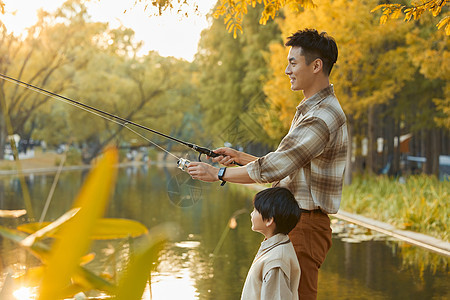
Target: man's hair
[278, 203]
[315, 45]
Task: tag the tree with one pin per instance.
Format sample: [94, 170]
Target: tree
[231, 72]
[415, 11]
[233, 11]
[137, 89]
[42, 58]
[430, 53]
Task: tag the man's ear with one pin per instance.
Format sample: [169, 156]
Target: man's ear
[269, 222]
[317, 65]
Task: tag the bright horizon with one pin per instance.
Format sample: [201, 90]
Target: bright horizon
[163, 34]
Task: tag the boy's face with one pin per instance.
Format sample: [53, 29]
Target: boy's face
[258, 223]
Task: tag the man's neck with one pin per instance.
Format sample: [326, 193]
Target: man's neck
[316, 87]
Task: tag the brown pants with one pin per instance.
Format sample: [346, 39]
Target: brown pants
[312, 240]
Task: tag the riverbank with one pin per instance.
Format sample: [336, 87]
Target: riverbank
[49, 162]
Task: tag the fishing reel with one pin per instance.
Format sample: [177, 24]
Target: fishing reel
[182, 164]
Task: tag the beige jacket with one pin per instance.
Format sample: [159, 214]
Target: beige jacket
[275, 272]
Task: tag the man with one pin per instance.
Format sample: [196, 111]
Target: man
[309, 161]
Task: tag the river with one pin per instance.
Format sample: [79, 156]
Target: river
[210, 260]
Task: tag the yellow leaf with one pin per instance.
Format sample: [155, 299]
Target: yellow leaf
[436, 10]
[132, 283]
[443, 22]
[105, 229]
[75, 235]
[48, 228]
[378, 7]
[396, 13]
[87, 259]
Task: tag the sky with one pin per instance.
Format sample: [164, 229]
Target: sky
[164, 34]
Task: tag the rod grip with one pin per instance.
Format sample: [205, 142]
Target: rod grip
[208, 152]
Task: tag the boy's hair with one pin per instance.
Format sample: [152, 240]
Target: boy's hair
[315, 45]
[278, 203]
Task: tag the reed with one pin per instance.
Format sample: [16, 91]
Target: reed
[417, 203]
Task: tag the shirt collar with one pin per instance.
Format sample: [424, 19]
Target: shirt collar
[276, 239]
[307, 103]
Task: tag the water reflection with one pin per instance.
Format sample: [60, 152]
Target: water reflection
[359, 265]
[175, 278]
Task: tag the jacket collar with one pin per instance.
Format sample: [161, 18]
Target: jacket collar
[273, 241]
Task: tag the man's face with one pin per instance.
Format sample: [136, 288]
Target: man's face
[300, 74]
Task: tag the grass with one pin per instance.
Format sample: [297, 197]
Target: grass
[420, 203]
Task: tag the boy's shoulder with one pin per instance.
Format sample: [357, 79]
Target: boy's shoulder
[282, 256]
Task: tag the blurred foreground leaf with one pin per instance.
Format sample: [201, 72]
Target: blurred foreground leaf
[74, 238]
[49, 227]
[12, 213]
[82, 278]
[132, 283]
[104, 229]
[62, 274]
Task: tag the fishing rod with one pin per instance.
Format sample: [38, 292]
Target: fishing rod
[182, 163]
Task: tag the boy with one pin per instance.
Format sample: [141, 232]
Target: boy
[275, 271]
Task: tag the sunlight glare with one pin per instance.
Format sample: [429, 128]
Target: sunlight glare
[24, 293]
[179, 286]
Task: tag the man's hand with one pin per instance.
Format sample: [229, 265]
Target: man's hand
[203, 171]
[227, 156]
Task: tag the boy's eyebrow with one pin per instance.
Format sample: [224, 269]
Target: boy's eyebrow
[292, 59]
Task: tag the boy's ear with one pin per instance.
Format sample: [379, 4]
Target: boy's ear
[269, 222]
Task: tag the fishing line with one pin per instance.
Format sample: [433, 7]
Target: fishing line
[113, 118]
[114, 121]
[85, 108]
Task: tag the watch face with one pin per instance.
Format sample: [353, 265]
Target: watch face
[221, 172]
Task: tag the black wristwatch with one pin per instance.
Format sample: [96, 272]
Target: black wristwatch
[220, 175]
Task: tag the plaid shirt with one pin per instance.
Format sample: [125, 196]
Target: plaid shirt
[310, 160]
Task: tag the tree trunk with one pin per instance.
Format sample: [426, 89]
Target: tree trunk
[390, 143]
[436, 150]
[432, 152]
[371, 149]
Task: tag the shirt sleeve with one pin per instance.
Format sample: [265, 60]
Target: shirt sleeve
[275, 286]
[302, 144]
